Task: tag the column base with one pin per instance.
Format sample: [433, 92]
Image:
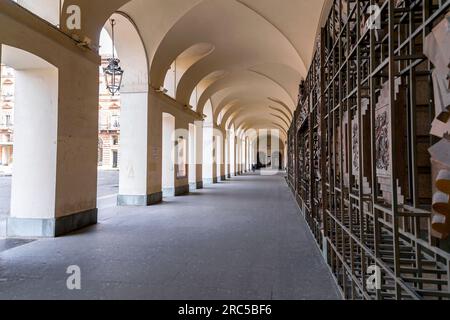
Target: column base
[196, 185]
[168, 192]
[139, 201]
[210, 181]
[223, 178]
[50, 228]
[228, 176]
[176, 192]
[181, 191]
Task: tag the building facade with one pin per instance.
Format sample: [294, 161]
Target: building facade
[6, 117]
[109, 126]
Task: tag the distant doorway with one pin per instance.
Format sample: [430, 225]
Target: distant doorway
[115, 159]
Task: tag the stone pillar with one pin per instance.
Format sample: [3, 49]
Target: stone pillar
[227, 157]
[198, 126]
[135, 151]
[239, 156]
[249, 155]
[219, 147]
[246, 155]
[215, 158]
[209, 169]
[181, 157]
[154, 148]
[168, 155]
[236, 156]
[222, 162]
[56, 138]
[192, 157]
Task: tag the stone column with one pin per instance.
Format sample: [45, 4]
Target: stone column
[192, 158]
[227, 157]
[246, 155]
[168, 155]
[136, 150]
[198, 126]
[223, 168]
[56, 138]
[181, 157]
[209, 169]
[220, 145]
[237, 156]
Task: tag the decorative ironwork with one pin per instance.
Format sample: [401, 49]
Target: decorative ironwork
[355, 146]
[366, 107]
[382, 141]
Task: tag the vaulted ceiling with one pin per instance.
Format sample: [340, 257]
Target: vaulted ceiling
[255, 52]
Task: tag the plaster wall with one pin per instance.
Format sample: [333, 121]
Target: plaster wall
[34, 172]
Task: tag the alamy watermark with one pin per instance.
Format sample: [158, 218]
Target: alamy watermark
[374, 280]
[73, 21]
[374, 21]
[73, 282]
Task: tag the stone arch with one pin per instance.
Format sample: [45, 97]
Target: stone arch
[179, 66]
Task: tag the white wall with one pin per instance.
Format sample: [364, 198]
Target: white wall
[35, 146]
[208, 145]
[168, 152]
[192, 154]
[219, 155]
[134, 145]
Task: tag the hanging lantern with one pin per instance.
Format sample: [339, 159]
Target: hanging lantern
[113, 72]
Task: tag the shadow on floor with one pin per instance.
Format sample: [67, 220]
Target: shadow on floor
[8, 244]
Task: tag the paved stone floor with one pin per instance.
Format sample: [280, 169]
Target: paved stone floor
[108, 187]
[242, 239]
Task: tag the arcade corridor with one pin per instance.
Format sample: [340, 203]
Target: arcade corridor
[241, 239]
[347, 101]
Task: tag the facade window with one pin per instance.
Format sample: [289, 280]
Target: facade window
[8, 121]
[115, 140]
[100, 152]
[115, 123]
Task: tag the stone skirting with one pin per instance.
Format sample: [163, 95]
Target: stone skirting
[147, 200]
[210, 181]
[50, 228]
[182, 190]
[196, 185]
[176, 192]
